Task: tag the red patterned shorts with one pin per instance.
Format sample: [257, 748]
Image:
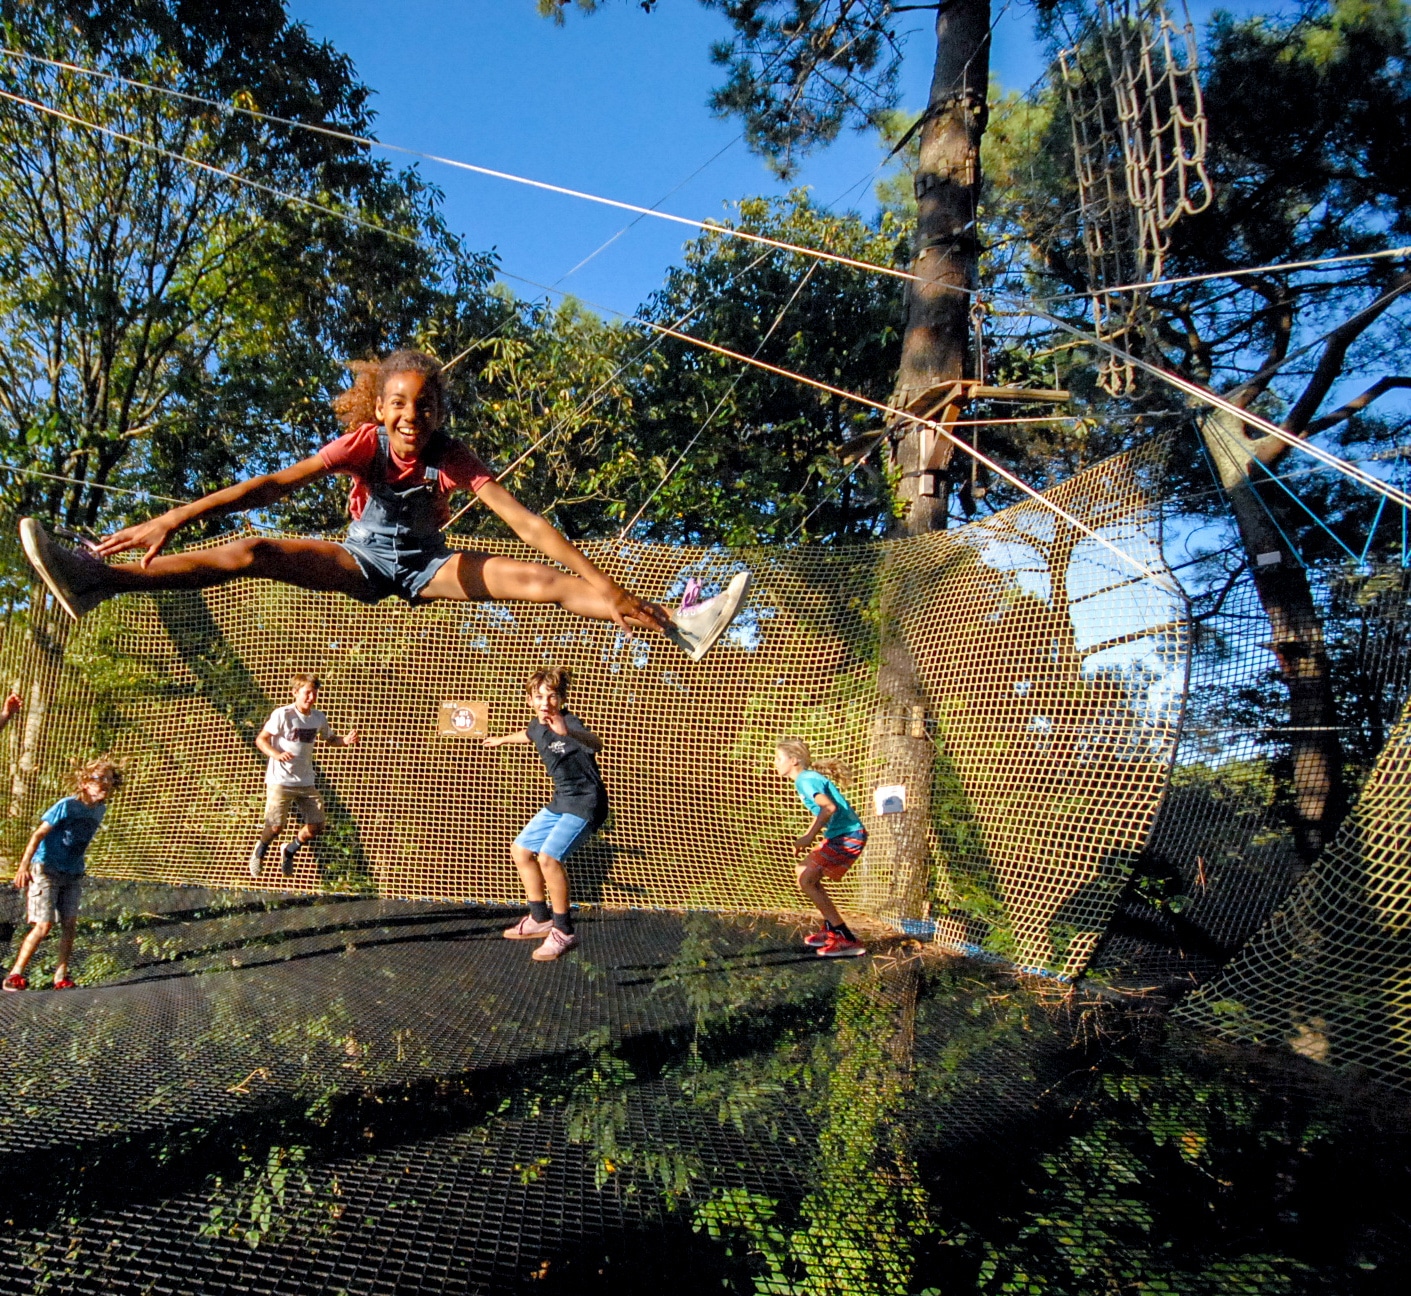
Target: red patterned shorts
[838, 854]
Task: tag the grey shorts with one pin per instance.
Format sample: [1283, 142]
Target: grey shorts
[393, 570]
[279, 801]
[54, 897]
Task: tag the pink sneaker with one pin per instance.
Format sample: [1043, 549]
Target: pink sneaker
[839, 946]
[527, 929]
[555, 944]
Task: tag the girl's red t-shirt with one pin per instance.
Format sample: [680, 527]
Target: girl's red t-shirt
[354, 452]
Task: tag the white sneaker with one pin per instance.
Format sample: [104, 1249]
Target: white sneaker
[696, 630]
[555, 943]
[74, 579]
[257, 858]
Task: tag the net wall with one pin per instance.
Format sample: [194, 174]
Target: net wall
[1220, 859]
[1330, 974]
[1053, 675]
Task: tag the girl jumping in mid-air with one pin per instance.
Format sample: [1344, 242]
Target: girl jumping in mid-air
[817, 784]
[404, 469]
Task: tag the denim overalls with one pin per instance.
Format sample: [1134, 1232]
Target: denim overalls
[397, 542]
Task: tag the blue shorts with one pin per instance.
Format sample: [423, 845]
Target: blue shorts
[391, 569]
[553, 834]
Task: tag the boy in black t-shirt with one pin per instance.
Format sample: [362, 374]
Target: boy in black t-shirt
[579, 806]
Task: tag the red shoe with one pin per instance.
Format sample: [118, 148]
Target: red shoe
[15, 981]
[66, 983]
[839, 946]
[818, 939]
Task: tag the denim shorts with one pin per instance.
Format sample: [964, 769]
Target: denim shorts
[554, 835]
[54, 897]
[395, 569]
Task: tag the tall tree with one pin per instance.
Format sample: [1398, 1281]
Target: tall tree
[1306, 117]
[168, 315]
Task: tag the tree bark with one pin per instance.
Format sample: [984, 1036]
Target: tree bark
[946, 254]
[935, 349]
[1319, 796]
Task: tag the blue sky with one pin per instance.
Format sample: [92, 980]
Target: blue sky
[614, 103]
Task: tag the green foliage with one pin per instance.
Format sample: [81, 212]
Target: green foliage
[167, 327]
[738, 456]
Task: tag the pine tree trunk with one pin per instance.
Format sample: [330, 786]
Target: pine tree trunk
[935, 349]
[1318, 798]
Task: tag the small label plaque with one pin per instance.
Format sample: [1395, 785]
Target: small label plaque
[463, 720]
[890, 800]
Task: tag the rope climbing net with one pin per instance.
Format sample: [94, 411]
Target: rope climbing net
[1139, 137]
[1053, 675]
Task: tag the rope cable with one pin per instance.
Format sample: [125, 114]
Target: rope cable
[719, 405]
[1190, 388]
[694, 222]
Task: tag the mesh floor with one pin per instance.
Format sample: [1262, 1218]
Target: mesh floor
[385, 1096]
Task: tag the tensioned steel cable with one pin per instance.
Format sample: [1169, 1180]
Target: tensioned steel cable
[715, 227]
[1182, 384]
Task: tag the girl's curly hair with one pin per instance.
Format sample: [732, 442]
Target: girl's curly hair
[358, 405]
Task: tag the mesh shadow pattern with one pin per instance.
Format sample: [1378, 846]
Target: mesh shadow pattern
[1053, 674]
[1330, 974]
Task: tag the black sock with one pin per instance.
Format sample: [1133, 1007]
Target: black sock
[564, 922]
[539, 910]
[291, 848]
[845, 931]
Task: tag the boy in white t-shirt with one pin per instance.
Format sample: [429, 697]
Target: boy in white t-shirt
[288, 740]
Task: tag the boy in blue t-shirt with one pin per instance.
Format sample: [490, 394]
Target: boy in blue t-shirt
[52, 866]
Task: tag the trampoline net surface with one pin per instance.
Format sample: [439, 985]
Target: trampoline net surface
[1052, 671]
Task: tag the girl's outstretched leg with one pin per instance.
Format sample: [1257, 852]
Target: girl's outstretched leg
[309, 564]
[482, 578]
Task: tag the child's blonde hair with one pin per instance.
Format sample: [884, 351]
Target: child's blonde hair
[303, 677]
[358, 405]
[557, 678]
[104, 766]
[835, 771]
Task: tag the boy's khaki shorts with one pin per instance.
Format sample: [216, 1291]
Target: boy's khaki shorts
[54, 897]
[279, 801]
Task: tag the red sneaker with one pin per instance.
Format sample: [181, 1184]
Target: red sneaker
[818, 939]
[65, 983]
[839, 946]
[16, 982]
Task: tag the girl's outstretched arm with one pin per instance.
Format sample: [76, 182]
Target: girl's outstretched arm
[257, 492]
[628, 609]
